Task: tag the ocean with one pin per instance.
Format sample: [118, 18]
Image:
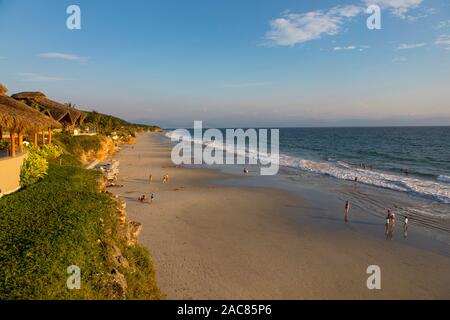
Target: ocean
[407, 160]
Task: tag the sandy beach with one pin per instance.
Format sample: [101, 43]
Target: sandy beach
[214, 241]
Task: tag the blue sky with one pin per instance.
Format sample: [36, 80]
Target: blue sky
[235, 63]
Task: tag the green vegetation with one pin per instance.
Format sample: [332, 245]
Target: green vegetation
[34, 168]
[48, 152]
[4, 144]
[63, 220]
[74, 146]
[106, 124]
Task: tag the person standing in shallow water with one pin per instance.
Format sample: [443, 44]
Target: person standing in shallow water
[346, 210]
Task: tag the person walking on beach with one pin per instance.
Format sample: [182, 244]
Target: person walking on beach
[150, 178]
[347, 210]
[392, 223]
[152, 197]
[405, 227]
[386, 225]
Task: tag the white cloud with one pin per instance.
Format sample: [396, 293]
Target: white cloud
[443, 41]
[406, 46]
[60, 55]
[397, 7]
[33, 77]
[296, 28]
[423, 14]
[344, 48]
[352, 47]
[443, 24]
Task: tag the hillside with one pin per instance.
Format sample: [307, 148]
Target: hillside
[106, 124]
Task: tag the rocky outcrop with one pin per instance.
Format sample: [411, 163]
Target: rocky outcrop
[116, 257]
[119, 285]
[107, 148]
[128, 232]
[133, 231]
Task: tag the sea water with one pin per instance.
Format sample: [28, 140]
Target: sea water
[405, 160]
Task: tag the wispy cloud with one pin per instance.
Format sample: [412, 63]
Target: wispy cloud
[422, 14]
[244, 85]
[351, 47]
[443, 41]
[397, 7]
[33, 77]
[344, 48]
[296, 28]
[62, 56]
[293, 28]
[443, 25]
[406, 46]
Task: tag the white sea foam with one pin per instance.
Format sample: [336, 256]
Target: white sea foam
[436, 190]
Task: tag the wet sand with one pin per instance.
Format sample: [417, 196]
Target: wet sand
[218, 241]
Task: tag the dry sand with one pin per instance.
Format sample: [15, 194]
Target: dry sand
[224, 242]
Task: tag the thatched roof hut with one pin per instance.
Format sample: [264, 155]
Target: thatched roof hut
[3, 90]
[60, 112]
[15, 114]
[20, 118]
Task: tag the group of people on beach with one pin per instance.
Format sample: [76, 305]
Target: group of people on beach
[150, 200]
[144, 198]
[390, 223]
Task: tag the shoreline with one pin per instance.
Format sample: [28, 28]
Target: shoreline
[216, 241]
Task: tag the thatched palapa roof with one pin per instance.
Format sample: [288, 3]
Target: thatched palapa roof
[3, 90]
[17, 115]
[58, 111]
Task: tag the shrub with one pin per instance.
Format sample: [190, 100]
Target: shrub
[50, 152]
[34, 168]
[4, 145]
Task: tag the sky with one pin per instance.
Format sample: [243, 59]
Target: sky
[235, 63]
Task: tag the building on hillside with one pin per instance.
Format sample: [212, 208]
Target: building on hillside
[69, 117]
[19, 120]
